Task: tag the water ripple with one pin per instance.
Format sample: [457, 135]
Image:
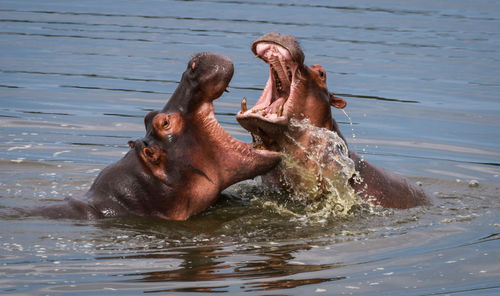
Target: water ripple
[427, 13]
[87, 75]
[114, 89]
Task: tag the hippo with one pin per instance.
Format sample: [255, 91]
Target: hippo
[296, 92]
[182, 164]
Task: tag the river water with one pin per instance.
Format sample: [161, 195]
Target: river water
[422, 84]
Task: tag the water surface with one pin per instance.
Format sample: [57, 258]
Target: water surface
[421, 81]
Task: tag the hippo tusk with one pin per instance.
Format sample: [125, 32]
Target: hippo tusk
[244, 105]
[280, 111]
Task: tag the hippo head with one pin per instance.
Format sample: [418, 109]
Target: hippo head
[187, 150]
[293, 91]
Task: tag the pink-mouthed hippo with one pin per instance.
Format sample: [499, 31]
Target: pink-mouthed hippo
[295, 91]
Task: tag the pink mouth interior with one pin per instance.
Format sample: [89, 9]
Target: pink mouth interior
[274, 101]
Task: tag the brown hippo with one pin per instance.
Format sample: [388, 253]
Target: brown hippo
[182, 164]
[296, 92]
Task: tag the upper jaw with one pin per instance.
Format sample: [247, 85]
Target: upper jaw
[271, 112]
[205, 79]
[224, 74]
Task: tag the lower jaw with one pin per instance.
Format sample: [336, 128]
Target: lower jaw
[262, 142]
[266, 128]
[263, 126]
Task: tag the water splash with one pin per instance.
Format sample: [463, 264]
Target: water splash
[350, 123]
[316, 170]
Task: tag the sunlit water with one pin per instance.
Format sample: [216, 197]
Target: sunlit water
[421, 82]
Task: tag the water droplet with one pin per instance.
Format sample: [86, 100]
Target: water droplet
[473, 183]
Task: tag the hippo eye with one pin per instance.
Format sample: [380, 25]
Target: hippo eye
[321, 74]
[165, 123]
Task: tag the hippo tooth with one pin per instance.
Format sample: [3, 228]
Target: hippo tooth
[264, 113]
[280, 111]
[244, 105]
[284, 69]
[276, 64]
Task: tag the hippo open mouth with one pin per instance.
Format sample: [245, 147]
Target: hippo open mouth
[191, 108]
[275, 106]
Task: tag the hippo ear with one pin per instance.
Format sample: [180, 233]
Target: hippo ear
[155, 160]
[152, 155]
[337, 102]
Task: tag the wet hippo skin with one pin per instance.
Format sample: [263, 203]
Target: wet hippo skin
[295, 91]
[182, 164]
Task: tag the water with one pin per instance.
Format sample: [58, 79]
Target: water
[421, 82]
[320, 182]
